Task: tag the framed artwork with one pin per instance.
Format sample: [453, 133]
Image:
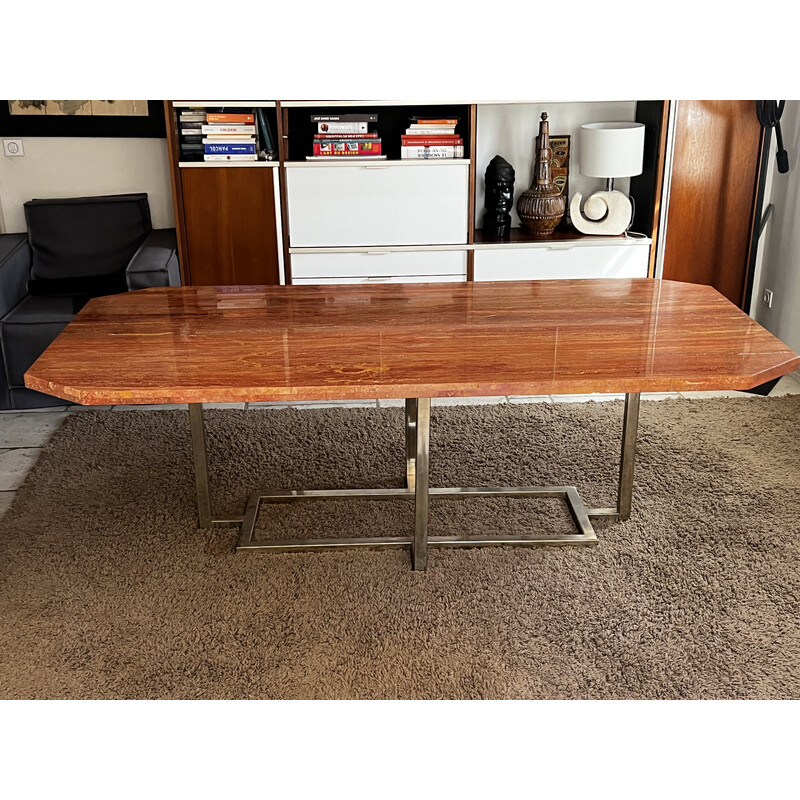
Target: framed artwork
[559, 162]
[93, 118]
[559, 166]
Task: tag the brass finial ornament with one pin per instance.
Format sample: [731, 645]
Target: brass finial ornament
[542, 207]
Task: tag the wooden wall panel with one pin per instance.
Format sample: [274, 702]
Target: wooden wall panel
[712, 194]
[230, 225]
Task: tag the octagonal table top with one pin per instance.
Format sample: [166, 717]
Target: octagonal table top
[276, 343]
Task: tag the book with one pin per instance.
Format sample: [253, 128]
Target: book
[429, 130]
[344, 117]
[434, 121]
[238, 148]
[428, 126]
[418, 141]
[347, 148]
[267, 138]
[342, 127]
[230, 118]
[227, 137]
[444, 151]
[230, 157]
[344, 158]
[219, 128]
[370, 135]
[184, 118]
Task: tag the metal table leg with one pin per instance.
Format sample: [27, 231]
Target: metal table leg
[205, 519]
[630, 427]
[419, 550]
[411, 441]
[198, 430]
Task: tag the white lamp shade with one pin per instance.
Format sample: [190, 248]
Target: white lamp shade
[612, 149]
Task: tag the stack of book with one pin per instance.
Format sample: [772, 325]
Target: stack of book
[230, 137]
[431, 137]
[345, 136]
[190, 133]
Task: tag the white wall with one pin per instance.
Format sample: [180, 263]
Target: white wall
[780, 263]
[77, 167]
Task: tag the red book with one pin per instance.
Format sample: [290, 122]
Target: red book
[228, 118]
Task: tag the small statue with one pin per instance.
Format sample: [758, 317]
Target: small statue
[542, 207]
[499, 198]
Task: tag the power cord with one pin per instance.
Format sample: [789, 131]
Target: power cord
[769, 114]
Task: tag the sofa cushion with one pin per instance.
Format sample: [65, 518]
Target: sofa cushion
[84, 236]
[91, 286]
[28, 330]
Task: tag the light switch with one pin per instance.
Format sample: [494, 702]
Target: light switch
[13, 147]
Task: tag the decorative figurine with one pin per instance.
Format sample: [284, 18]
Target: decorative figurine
[542, 207]
[499, 198]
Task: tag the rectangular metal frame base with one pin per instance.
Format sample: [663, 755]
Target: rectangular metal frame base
[569, 494]
[417, 429]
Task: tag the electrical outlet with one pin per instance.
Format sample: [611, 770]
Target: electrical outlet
[13, 147]
[766, 298]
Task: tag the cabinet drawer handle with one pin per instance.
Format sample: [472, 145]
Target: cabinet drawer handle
[379, 277]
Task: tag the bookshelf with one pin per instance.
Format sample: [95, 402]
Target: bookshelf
[227, 213]
[347, 220]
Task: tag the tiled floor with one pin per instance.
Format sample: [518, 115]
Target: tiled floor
[23, 434]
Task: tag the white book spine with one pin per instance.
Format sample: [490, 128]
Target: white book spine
[443, 151]
[430, 130]
[234, 157]
[342, 127]
[229, 139]
[228, 129]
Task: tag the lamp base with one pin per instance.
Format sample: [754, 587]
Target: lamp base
[604, 213]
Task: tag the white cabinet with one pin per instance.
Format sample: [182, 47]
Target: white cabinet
[629, 259]
[377, 203]
[325, 267]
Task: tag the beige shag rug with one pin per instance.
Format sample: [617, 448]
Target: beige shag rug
[109, 590]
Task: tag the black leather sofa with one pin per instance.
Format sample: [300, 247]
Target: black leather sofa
[75, 249]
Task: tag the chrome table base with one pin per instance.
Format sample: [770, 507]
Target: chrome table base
[417, 428]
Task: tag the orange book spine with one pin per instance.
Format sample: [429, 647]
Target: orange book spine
[247, 118]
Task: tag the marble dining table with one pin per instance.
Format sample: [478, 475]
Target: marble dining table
[210, 344]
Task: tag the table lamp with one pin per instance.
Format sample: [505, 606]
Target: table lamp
[608, 150]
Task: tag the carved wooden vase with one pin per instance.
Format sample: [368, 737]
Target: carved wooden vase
[542, 207]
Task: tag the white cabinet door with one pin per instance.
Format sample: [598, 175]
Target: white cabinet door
[377, 204]
[324, 266]
[548, 263]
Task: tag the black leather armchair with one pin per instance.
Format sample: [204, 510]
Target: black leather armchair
[75, 249]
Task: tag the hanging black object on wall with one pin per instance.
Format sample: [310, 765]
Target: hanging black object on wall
[769, 115]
